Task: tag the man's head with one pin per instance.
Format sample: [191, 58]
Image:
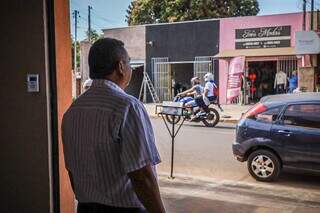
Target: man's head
[87, 84]
[195, 81]
[208, 77]
[108, 59]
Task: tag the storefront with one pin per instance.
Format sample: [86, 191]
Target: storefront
[267, 45]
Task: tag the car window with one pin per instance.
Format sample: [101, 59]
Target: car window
[268, 116]
[304, 115]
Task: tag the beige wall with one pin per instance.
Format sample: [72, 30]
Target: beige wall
[134, 39]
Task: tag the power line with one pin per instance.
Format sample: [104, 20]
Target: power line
[102, 17]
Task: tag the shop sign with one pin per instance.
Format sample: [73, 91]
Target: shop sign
[307, 42]
[263, 37]
[236, 70]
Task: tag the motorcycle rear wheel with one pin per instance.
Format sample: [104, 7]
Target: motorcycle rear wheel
[212, 118]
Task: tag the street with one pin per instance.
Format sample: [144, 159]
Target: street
[204, 155]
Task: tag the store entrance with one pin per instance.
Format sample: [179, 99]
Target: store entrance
[260, 79]
[181, 75]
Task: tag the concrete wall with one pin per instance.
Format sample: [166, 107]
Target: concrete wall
[133, 38]
[84, 63]
[24, 179]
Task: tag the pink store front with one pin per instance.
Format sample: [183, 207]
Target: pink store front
[266, 43]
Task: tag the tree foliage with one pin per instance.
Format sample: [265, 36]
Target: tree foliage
[94, 35]
[156, 11]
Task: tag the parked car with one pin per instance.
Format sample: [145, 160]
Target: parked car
[280, 131]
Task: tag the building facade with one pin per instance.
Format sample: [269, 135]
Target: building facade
[267, 42]
[175, 52]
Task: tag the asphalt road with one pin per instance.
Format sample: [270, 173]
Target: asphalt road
[207, 152]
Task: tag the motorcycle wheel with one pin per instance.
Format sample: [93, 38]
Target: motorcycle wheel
[212, 118]
[173, 119]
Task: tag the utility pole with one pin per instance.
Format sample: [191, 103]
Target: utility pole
[312, 9]
[74, 81]
[318, 19]
[304, 14]
[89, 23]
[75, 16]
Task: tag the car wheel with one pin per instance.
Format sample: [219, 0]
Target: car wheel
[264, 165]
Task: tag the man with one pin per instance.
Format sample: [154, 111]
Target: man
[196, 90]
[87, 84]
[108, 140]
[208, 95]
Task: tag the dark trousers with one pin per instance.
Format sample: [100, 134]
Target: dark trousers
[199, 101]
[280, 89]
[100, 208]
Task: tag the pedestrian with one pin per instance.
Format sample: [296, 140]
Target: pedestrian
[108, 140]
[293, 81]
[87, 84]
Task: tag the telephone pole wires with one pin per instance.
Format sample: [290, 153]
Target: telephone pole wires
[75, 16]
[89, 23]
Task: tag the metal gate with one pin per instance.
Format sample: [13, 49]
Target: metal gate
[287, 64]
[161, 78]
[203, 65]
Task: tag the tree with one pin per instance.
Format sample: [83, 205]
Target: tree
[155, 11]
[94, 35]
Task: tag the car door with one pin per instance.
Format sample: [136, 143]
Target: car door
[299, 131]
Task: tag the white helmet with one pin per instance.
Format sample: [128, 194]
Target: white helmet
[208, 77]
[87, 84]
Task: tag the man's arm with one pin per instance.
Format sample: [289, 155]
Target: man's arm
[187, 91]
[146, 187]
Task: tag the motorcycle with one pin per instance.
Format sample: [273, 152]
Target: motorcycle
[210, 118]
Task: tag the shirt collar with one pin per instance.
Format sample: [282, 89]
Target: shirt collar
[104, 83]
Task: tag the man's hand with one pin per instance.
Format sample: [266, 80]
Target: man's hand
[146, 187]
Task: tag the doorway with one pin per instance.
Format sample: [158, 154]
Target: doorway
[260, 79]
[181, 75]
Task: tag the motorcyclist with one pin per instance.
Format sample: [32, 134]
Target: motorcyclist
[208, 95]
[196, 90]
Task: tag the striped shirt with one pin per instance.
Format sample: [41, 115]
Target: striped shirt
[107, 134]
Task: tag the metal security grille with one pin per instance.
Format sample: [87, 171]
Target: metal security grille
[287, 64]
[161, 77]
[203, 65]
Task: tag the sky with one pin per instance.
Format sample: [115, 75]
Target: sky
[111, 13]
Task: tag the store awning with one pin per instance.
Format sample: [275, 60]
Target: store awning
[287, 51]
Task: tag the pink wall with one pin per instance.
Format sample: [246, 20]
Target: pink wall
[227, 36]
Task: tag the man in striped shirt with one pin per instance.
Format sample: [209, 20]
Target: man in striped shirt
[108, 140]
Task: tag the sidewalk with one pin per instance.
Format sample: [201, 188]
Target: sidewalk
[205, 195]
[230, 114]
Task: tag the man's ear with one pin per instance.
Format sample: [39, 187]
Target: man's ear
[121, 67]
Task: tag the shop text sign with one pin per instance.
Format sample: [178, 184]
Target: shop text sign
[263, 37]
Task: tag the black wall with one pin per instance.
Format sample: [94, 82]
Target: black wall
[182, 41]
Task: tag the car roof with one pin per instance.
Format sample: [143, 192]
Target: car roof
[291, 98]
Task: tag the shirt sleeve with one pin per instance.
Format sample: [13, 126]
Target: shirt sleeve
[138, 147]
